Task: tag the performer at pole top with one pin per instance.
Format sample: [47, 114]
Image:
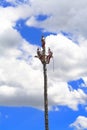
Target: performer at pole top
[44, 58]
[38, 52]
[49, 56]
[43, 42]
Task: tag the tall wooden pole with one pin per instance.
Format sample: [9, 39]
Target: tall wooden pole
[45, 93]
[45, 59]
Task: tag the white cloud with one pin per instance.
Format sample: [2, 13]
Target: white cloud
[80, 123]
[69, 58]
[59, 94]
[65, 15]
[9, 39]
[21, 76]
[69, 16]
[10, 15]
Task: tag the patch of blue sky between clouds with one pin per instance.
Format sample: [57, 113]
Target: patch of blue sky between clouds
[16, 2]
[41, 17]
[76, 83]
[7, 3]
[4, 3]
[30, 34]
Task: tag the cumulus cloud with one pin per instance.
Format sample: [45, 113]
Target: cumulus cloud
[60, 94]
[9, 39]
[80, 123]
[69, 16]
[68, 56]
[21, 75]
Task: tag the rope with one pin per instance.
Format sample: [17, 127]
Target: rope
[53, 64]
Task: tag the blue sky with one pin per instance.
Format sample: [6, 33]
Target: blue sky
[63, 23]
